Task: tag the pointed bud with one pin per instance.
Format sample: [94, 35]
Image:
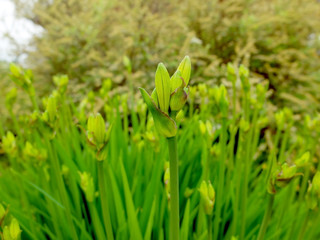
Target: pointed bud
[52, 108]
[185, 69]
[178, 99]
[244, 77]
[162, 82]
[96, 129]
[208, 196]
[87, 186]
[232, 77]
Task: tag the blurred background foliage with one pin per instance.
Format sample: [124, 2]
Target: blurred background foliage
[124, 40]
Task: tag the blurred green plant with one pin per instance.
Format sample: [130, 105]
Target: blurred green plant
[122, 40]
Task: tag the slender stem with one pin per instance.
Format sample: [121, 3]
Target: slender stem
[209, 227]
[104, 203]
[266, 218]
[174, 188]
[220, 190]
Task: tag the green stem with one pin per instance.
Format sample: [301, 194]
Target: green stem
[209, 227]
[104, 203]
[222, 167]
[174, 188]
[266, 217]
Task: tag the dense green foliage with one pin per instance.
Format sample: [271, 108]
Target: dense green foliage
[123, 40]
[258, 162]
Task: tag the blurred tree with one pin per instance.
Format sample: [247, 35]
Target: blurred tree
[88, 40]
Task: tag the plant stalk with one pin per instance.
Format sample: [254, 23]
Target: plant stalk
[266, 218]
[104, 203]
[174, 188]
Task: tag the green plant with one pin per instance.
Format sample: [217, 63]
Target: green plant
[234, 156]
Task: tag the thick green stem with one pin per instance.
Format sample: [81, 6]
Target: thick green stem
[104, 203]
[266, 218]
[174, 189]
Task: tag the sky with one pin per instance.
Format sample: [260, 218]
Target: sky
[21, 30]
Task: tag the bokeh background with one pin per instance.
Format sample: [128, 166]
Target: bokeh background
[90, 41]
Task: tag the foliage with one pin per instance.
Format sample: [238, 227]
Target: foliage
[123, 40]
[230, 165]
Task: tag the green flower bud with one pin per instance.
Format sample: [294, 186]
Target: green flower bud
[52, 108]
[185, 69]
[12, 232]
[87, 186]
[303, 160]
[313, 193]
[232, 77]
[178, 99]
[11, 97]
[96, 130]
[9, 143]
[162, 82]
[244, 77]
[208, 196]
[282, 176]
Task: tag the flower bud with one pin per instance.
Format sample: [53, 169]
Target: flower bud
[303, 160]
[9, 143]
[12, 232]
[232, 77]
[178, 99]
[162, 82]
[313, 193]
[11, 98]
[52, 108]
[87, 186]
[244, 77]
[185, 69]
[96, 130]
[208, 195]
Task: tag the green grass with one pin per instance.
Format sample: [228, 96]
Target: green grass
[54, 185]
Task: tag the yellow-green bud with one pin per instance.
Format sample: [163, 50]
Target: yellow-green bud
[2, 211]
[232, 77]
[244, 77]
[96, 130]
[87, 186]
[162, 82]
[9, 143]
[12, 232]
[11, 98]
[185, 69]
[208, 196]
[303, 160]
[52, 108]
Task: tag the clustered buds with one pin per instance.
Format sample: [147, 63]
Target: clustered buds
[208, 196]
[169, 96]
[244, 77]
[13, 232]
[282, 176]
[313, 194]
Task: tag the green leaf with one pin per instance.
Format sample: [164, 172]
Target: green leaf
[185, 222]
[165, 125]
[134, 227]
